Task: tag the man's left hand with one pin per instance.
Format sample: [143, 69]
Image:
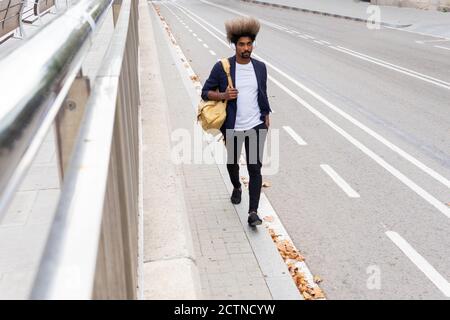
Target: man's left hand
[267, 121]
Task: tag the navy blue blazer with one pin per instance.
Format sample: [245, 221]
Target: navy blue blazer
[218, 79]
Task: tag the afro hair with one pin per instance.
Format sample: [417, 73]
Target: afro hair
[241, 27]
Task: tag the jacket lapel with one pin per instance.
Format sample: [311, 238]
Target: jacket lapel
[257, 72]
[233, 69]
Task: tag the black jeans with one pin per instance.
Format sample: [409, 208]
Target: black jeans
[253, 140]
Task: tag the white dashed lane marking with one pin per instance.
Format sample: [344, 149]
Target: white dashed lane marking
[294, 135]
[440, 47]
[339, 181]
[430, 272]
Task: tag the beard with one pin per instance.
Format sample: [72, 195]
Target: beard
[246, 54]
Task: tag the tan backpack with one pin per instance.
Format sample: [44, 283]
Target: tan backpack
[212, 113]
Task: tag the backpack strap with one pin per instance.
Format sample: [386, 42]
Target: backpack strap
[226, 67]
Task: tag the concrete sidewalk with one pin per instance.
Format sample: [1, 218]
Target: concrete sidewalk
[195, 244]
[434, 23]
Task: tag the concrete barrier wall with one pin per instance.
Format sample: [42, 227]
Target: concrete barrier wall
[441, 5]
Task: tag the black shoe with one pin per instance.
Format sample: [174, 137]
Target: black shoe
[236, 196]
[253, 219]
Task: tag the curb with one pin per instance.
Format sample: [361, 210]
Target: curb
[276, 5]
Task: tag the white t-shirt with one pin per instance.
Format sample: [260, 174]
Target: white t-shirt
[248, 113]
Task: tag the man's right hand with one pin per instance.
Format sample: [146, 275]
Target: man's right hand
[230, 93]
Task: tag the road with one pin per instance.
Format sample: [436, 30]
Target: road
[364, 151]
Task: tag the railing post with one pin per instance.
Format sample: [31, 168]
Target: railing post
[68, 120]
[116, 10]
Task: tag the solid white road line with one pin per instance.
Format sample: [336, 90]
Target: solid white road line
[294, 135]
[439, 281]
[302, 36]
[318, 42]
[438, 82]
[277, 25]
[273, 25]
[440, 47]
[339, 181]
[428, 41]
[415, 32]
[394, 65]
[381, 139]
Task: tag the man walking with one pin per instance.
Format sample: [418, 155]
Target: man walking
[248, 109]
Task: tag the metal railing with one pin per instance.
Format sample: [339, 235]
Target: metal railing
[11, 13]
[92, 248]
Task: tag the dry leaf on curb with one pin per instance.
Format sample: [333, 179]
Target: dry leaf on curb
[318, 293]
[307, 296]
[317, 279]
[195, 78]
[291, 256]
[268, 218]
[288, 251]
[266, 184]
[273, 235]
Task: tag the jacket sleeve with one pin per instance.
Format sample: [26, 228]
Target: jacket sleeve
[264, 88]
[212, 83]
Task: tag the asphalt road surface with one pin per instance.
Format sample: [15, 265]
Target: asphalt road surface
[363, 116]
